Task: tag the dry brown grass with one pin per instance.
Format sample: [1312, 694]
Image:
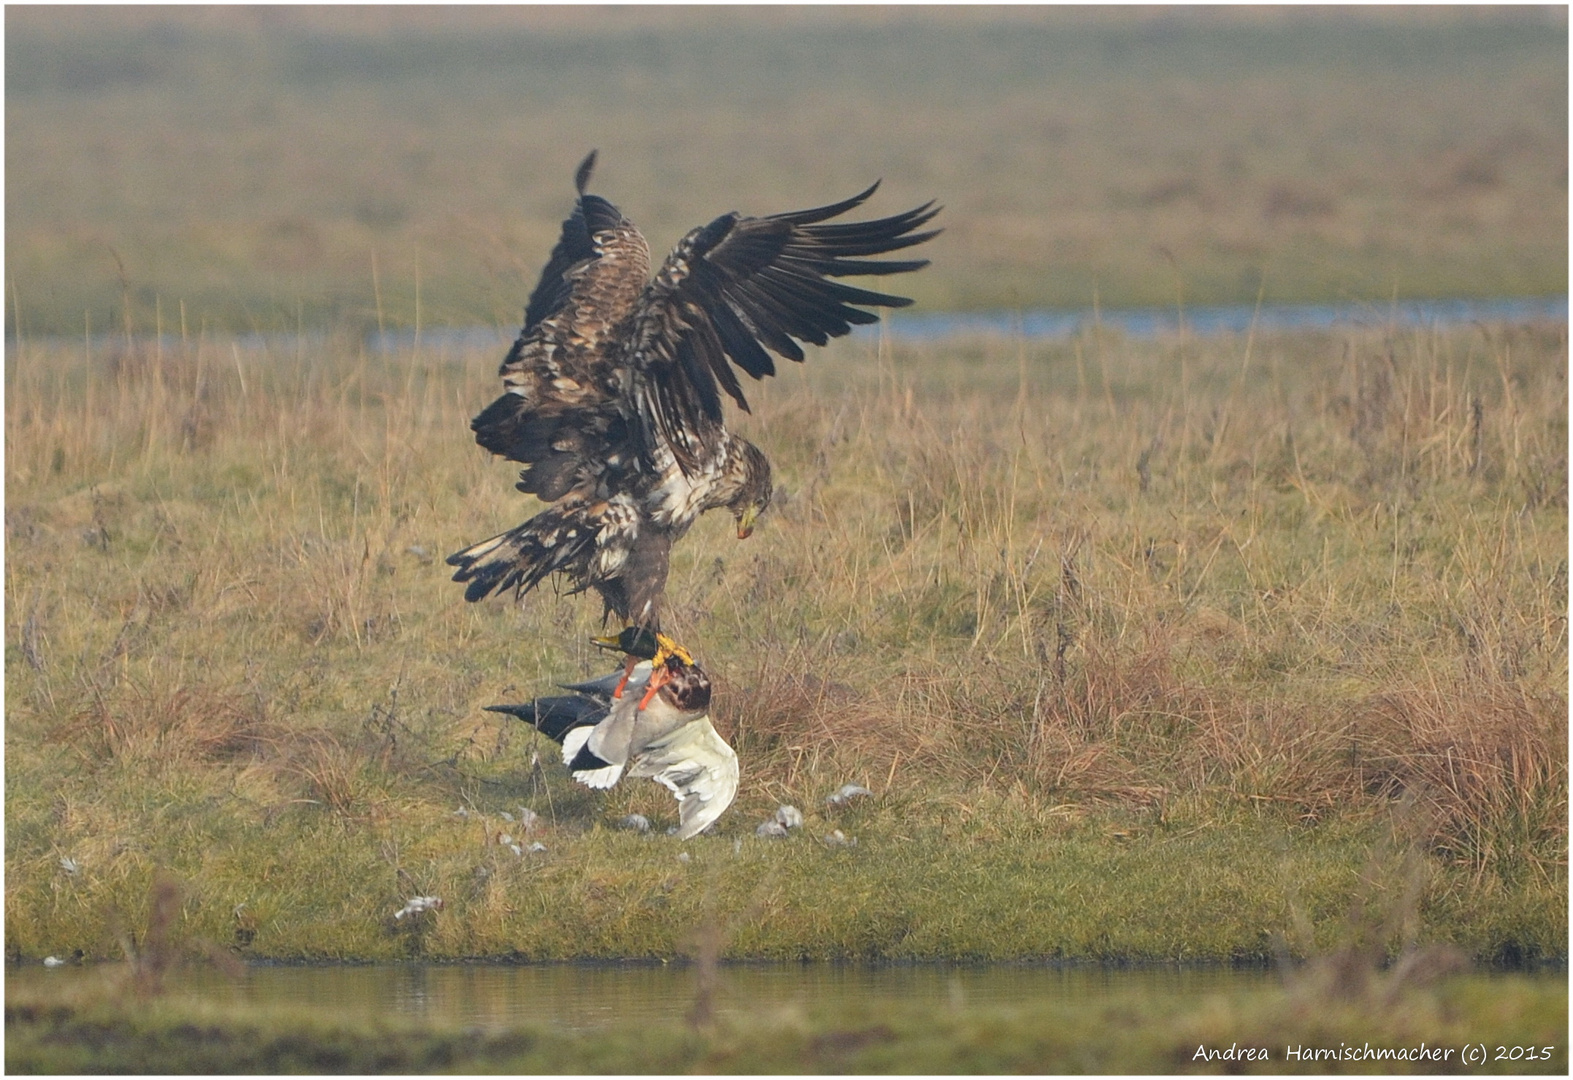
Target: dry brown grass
[1310, 585]
[183, 727]
[1489, 760]
[1171, 585]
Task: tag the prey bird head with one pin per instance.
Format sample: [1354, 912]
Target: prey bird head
[685, 687]
[674, 674]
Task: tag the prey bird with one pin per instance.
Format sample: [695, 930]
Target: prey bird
[612, 392]
[650, 722]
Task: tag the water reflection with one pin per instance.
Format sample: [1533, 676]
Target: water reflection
[589, 996]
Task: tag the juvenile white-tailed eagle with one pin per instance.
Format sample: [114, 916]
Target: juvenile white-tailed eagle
[613, 388]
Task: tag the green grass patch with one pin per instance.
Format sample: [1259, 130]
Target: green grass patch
[1183, 891]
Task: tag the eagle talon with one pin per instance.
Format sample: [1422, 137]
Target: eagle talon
[636, 641]
[641, 643]
[667, 650]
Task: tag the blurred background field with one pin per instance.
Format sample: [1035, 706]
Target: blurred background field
[268, 168]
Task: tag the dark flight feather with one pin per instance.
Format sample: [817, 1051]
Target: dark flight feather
[555, 717]
[763, 283]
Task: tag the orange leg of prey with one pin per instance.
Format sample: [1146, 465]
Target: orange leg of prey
[628, 670]
[658, 679]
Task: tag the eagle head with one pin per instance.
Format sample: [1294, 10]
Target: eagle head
[749, 469]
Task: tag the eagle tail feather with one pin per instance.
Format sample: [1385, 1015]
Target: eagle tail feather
[558, 538]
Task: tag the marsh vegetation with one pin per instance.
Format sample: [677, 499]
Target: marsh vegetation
[1235, 648]
[1111, 627]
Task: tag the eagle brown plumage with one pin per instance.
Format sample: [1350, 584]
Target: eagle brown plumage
[612, 399]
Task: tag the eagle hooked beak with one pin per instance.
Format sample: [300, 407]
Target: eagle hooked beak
[745, 522]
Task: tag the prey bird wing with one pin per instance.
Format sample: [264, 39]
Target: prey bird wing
[595, 729]
[659, 728]
[696, 765]
[570, 721]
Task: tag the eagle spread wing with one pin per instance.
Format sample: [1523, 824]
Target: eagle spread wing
[741, 285]
[612, 397]
[560, 415]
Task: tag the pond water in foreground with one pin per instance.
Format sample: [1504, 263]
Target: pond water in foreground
[588, 996]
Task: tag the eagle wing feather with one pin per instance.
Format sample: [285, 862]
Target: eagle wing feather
[563, 414]
[574, 246]
[613, 390]
[740, 288]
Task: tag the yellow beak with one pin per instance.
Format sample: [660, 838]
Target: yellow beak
[633, 641]
[745, 524]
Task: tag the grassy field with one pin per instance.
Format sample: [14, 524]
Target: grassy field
[1180, 649]
[250, 169]
[110, 1030]
[1235, 649]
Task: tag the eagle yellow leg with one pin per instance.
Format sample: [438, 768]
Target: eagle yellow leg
[635, 642]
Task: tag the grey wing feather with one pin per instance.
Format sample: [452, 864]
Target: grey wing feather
[698, 767]
[604, 686]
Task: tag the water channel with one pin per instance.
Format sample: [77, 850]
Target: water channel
[917, 325]
[586, 996]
